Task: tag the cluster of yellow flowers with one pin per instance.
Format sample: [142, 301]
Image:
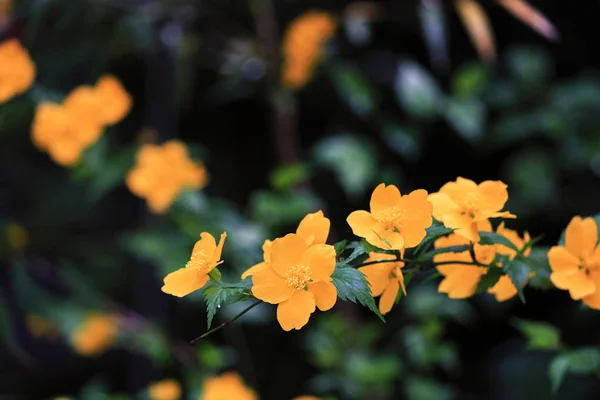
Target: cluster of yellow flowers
[303, 45]
[17, 70]
[66, 130]
[162, 172]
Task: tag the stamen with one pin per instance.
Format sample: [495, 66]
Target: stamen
[298, 276]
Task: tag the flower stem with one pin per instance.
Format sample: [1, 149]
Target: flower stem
[422, 263]
[224, 324]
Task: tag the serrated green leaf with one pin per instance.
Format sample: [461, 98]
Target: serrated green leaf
[340, 247]
[361, 248]
[489, 279]
[492, 238]
[352, 286]
[442, 250]
[538, 260]
[217, 295]
[540, 335]
[434, 232]
[581, 361]
[518, 270]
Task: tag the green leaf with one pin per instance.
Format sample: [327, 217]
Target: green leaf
[540, 335]
[530, 66]
[434, 232]
[7, 335]
[470, 79]
[286, 177]
[215, 275]
[402, 139]
[538, 260]
[492, 238]
[442, 250]
[340, 247]
[581, 361]
[416, 90]
[467, 117]
[361, 248]
[353, 88]
[216, 295]
[489, 279]
[518, 270]
[352, 286]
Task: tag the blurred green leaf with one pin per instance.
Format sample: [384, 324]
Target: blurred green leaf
[489, 279]
[470, 80]
[416, 90]
[423, 388]
[581, 361]
[518, 270]
[282, 208]
[168, 251]
[492, 238]
[530, 66]
[352, 286]
[286, 177]
[402, 139]
[538, 260]
[351, 158]
[540, 335]
[225, 293]
[215, 275]
[467, 117]
[340, 247]
[353, 88]
[433, 22]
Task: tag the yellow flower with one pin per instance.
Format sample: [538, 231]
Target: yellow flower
[461, 204]
[82, 106]
[228, 386]
[162, 172]
[303, 44]
[298, 279]
[95, 334]
[167, 389]
[314, 229]
[576, 265]
[115, 102]
[205, 257]
[385, 279]
[17, 71]
[395, 222]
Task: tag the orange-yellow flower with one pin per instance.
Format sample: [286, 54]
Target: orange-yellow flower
[303, 44]
[395, 221]
[463, 203]
[82, 106]
[115, 102]
[385, 279]
[227, 386]
[162, 172]
[17, 70]
[298, 279]
[205, 257]
[95, 334]
[167, 389]
[576, 265]
[314, 229]
[460, 280]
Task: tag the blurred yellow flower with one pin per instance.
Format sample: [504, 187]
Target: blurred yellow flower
[96, 333]
[17, 70]
[395, 221]
[576, 265]
[206, 256]
[298, 278]
[303, 44]
[167, 389]
[314, 229]
[385, 279]
[463, 203]
[228, 386]
[115, 102]
[161, 173]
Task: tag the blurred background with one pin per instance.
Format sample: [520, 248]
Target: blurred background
[412, 93]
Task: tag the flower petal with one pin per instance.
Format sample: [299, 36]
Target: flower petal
[267, 248]
[460, 281]
[361, 222]
[321, 260]
[217, 253]
[295, 312]
[463, 226]
[581, 236]
[383, 199]
[459, 189]
[385, 239]
[314, 228]
[325, 294]
[492, 195]
[504, 289]
[442, 205]
[254, 269]
[388, 297]
[561, 259]
[183, 282]
[419, 210]
[593, 300]
[205, 246]
[378, 276]
[575, 281]
[286, 252]
[268, 286]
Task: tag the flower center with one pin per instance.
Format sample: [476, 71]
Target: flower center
[298, 276]
[198, 261]
[470, 202]
[394, 218]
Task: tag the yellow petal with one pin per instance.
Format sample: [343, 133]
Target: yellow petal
[295, 312]
[560, 259]
[458, 189]
[504, 289]
[575, 281]
[419, 211]
[266, 248]
[325, 294]
[321, 260]
[383, 199]
[217, 254]
[581, 236]
[593, 300]
[532, 17]
[478, 26]
[463, 226]
[268, 286]
[492, 195]
[442, 204]
[378, 276]
[461, 280]
[286, 252]
[183, 282]
[315, 226]
[388, 297]
[116, 102]
[362, 223]
[254, 269]
[385, 239]
[205, 247]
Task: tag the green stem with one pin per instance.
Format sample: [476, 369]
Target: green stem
[224, 324]
[418, 262]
